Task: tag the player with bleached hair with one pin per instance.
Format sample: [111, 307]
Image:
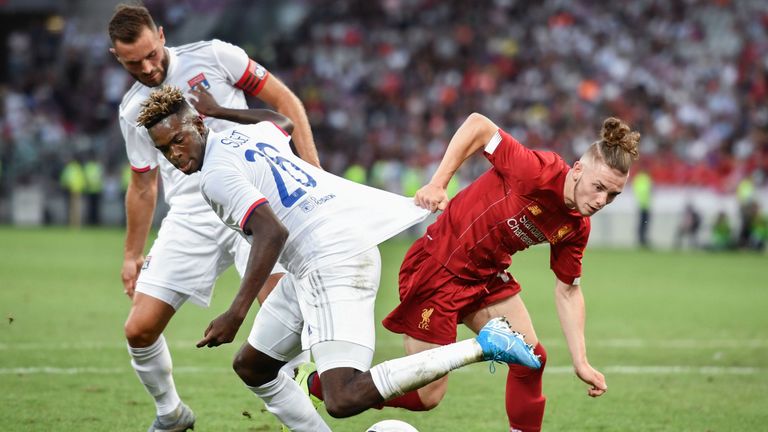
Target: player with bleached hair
[325, 230]
[192, 247]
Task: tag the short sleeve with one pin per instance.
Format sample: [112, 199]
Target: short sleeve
[566, 256]
[512, 159]
[231, 195]
[241, 71]
[141, 152]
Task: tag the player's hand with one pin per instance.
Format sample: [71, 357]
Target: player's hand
[594, 378]
[129, 274]
[203, 101]
[431, 197]
[221, 330]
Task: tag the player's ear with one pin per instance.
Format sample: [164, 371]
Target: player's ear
[578, 170]
[198, 122]
[161, 34]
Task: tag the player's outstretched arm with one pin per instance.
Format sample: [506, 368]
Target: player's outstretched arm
[140, 201]
[571, 311]
[471, 136]
[206, 105]
[270, 235]
[279, 96]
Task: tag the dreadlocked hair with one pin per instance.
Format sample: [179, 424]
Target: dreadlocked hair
[161, 103]
[617, 146]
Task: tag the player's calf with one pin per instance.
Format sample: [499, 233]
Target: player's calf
[348, 391]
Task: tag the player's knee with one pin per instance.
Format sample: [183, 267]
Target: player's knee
[431, 400]
[139, 335]
[341, 405]
[253, 372]
[432, 394]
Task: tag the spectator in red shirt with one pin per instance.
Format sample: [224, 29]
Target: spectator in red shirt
[457, 272]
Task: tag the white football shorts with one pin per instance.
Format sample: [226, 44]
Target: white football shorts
[189, 254]
[335, 303]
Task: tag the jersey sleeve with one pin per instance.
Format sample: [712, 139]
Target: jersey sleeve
[241, 71]
[231, 195]
[565, 257]
[515, 161]
[141, 152]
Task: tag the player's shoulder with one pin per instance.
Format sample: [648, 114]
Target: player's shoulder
[194, 48]
[205, 48]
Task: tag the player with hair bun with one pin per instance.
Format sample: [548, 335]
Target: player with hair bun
[457, 272]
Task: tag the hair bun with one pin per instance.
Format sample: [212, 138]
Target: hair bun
[617, 133]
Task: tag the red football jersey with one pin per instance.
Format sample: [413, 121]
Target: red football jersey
[517, 203]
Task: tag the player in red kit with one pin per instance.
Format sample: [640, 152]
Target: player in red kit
[457, 272]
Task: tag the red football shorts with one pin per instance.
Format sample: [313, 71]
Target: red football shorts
[433, 301]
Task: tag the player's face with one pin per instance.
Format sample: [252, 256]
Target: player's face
[181, 139]
[597, 185]
[145, 59]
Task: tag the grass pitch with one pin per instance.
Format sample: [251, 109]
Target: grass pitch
[681, 337]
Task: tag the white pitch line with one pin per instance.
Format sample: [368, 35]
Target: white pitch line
[681, 344]
[555, 370]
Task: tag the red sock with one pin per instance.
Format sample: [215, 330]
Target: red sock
[315, 386]
[525, 403]
[410, 401]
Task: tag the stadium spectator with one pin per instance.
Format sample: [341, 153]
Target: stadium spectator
[697, 82]
[72, 180]
[326, 301]
[745, 193]
[185, 259]
[757, 224]
[721, 233]
[457, 272]
[688, 230]
[642, 186]
[94, 185]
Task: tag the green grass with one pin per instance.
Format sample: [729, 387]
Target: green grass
[681, 337]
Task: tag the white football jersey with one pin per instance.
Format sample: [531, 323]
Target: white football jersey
[328, 217]
[218, 66]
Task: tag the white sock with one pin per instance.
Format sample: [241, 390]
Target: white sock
[153, 366]
[399, 376]
[295, 362]
[287, 402]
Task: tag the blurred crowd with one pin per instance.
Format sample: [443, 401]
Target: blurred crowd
[392, 79]
[387, 82]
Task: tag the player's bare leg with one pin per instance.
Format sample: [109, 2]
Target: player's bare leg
[432, 393]
[348, 391]
[513, 309]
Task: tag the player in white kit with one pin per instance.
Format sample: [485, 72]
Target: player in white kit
[192, 248]
[325, 230]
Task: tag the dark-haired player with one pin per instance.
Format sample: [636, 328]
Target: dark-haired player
[325, 230]
[193, 247]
